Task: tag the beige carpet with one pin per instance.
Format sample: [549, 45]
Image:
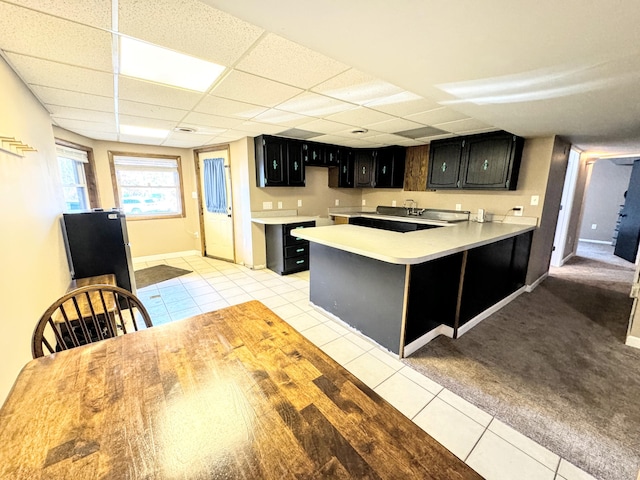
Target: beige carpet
[553, 365]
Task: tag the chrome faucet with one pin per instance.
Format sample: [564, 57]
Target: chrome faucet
[412, 208]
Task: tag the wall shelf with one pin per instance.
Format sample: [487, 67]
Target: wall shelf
[15, 147]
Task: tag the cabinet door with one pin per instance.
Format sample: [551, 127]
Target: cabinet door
[332, 155]
[444, 164]
[365, 163]
[399, 154]
[270, 161]
[346, 167]
[384, 168]
[489, 161]
[295, 166]
[312, 154]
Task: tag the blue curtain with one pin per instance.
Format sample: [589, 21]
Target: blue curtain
[215, 186]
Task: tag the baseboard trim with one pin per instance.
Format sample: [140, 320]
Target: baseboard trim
[532, 287]
[426, 338]
[162, 256]
[633, 341]
[489, 311]
[603, 242]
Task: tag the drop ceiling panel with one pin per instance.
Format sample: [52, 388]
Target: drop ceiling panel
[438, 115]
[146, 122]
[248, 88]
[202, 130]
[188, 26]
[324, 126]
[356, 87]
[216, 121]
[314, 105]
[359, 117]
[95, 12]
[56, 96]
[138, 109]
[257, 128]
[156, 94]
[337, 140]
[56, 75]
[31, 33]
[96, 135]
[280, 117]
[84, 125]
[228, 108]
[387, 139]
[462, 125]
[70, 113]
[287, 62]
[403, 104]
[140, 140]
[395, 125]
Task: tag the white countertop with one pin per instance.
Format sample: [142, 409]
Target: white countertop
[284, 220]
[395, 218]
[411, 247]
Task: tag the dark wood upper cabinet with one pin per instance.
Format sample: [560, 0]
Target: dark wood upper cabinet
[487, 161]
[390, 165]
[332, 155]
[341, 176]
[278, 162]
[313, 154]
[365, 161]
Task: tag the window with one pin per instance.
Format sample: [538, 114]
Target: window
[147, 185]
[76, 172]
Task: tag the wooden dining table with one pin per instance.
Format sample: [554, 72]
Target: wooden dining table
[230, 394]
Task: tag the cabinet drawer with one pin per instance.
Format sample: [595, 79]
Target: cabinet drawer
[296, 250]
[296, 263]
[291, 240]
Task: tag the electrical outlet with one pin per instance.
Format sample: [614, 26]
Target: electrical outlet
[280, 205]
[458, 206]
[364, 202]
[267, 205]
[299, 203]
[518, 210]
[535, 199]
[393, 203]
[337, 202]
[594, 226]
[194, 195]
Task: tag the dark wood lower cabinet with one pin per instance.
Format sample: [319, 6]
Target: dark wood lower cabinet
[285, 253]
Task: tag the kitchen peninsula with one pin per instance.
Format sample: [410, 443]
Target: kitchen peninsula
[402, 289]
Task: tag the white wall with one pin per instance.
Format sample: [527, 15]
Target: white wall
[32, 255]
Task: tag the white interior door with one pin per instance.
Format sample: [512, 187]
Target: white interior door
[566, 205]
[218, 227]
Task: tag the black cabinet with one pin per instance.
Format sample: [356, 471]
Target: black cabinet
[285, 253]
[313, 154]
[278, 162]
[486, 161]
[365, 161]
[332, 155]
[390, 167]
[341, 176]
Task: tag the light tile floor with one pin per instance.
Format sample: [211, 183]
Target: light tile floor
[493, 449]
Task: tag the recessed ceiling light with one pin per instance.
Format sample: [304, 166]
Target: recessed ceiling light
[184, 130]
[143, 131]
[150, 62]
[359, 131]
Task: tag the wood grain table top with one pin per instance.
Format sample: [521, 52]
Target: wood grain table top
[235, 393]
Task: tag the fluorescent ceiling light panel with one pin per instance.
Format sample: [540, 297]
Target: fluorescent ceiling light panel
[143, 131]
[150, 62]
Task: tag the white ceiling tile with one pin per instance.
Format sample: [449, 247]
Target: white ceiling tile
[359, 117]
[394, 125]
[435, 137]
[248, 88]
[387, 139]
[323, 126]
[56, 75]
[147, 122]
[31, 33]
[212, 120]
[71, 113]
[287, 62]
[193, 143]
[201, 130]
[348, 133]
[56, 96]
[97, 135]
[314, 105]
[258, 128]
[93, 12]
[356, 87]
[190, 27]
[436, 116]
[280, 117]
[228, 108]
[156, 94]
[477, 130]
[403, 104]
[462, 125]
[337, 140]
[74, 125]
[140, 140]
[407, 142]
[127, 107]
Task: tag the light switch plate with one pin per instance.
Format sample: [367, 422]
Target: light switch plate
[393, 203]
[280, 205]
[458, 206]
[535, 199]
[337, 202]
[299, 203]
[364, 202]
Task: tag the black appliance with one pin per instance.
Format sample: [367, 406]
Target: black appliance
[97, 243]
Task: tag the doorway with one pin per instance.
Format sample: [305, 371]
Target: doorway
[216, 207]
[559, 254]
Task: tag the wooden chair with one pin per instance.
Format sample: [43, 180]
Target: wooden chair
[85, 315]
